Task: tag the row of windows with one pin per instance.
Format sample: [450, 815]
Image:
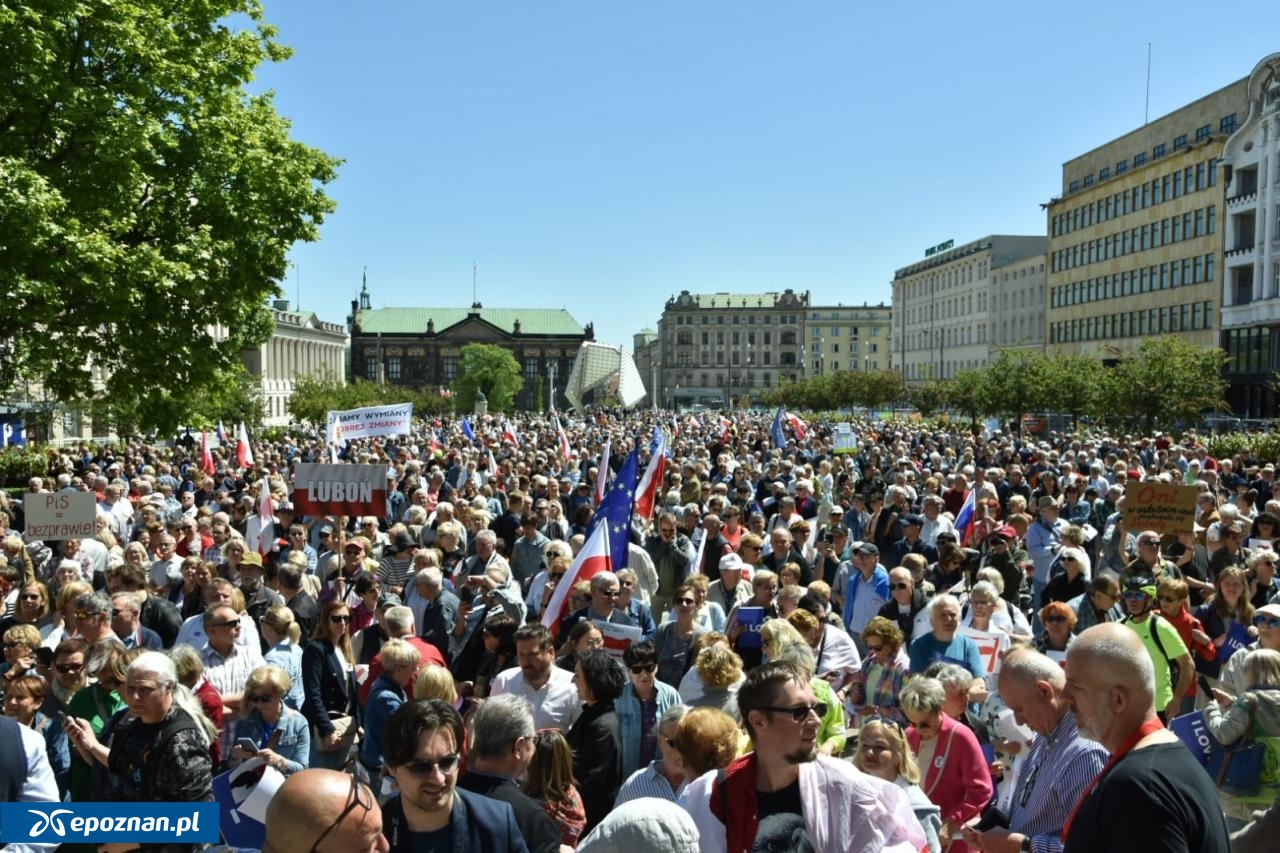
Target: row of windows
[816, 349]
[685, 338]
[395, 368]
[946, 309]
[1192, 317]
[685, 359]
[1226, 126]
[1195, 270]
[1164, 188]
[929, 286]
[955, 336]
[783, 320]
[1248, 350]
[1140, 238]
[838, 331]
[869, 315]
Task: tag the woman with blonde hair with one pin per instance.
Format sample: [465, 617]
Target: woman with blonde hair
[279, 732]
[783, 642]
[721, 672]
[883, 752]
[283, 634]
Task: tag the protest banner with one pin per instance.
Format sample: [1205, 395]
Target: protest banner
[845, 440]
[325, 489]
[752, 620]
[1162, 507]
[243, 793]
[1193, 731]
[989, 645]
[617, 638]
[65, 515]
[1237, 639]
[352, 424]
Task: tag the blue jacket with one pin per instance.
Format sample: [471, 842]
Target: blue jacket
[879, 581]
[480, 825]
[55, 740]
[294, 745]
[628, 709]
[384, 697]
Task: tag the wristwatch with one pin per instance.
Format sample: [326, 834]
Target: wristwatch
[1026, 844]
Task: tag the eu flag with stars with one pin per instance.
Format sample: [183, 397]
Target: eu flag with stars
[615, 511]
[467, 430]
[775, 432]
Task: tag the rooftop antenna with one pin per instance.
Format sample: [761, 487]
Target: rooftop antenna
[1146, 110]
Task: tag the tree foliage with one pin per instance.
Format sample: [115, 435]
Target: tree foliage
[1168, 380]
[838, 389]
[145, 198]
[491, 369]
[314, 396]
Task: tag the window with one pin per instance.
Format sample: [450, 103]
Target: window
[1103, 174]
[1122, 167]
[1180, 142]
[371, 367]
[449, 368]
[1159, 151]
[1228, 124]
[1074, 187]
[1203, 132]
[393, 369]
[531, 369]
[1088, 180]
[684, 338]
[1139, 159]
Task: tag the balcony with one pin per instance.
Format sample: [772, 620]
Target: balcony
[1244, 199]
[1239, 251]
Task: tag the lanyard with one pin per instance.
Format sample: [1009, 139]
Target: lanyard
[1150, 726]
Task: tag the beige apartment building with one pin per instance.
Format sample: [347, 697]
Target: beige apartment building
[1136, 239]
[848, 337]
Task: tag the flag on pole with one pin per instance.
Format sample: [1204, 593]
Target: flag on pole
[775, 432]
[651, 480]
[964, 518]
[694, 423]
[206, 456]
[509, 433]
[591, 561]
[614, 511]
[467, 429]
[799, 427]
[562, 438]
[244, 453]
[221, 433]
[602, 472]
[726, 427]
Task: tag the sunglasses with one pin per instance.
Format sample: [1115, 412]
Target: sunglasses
[339, 619]
[257, 699]
[30, 596]
[230, 623]
[1264, 621]
[423, 767]
[68, 668]
[610, 593]
[800, 712]
[899, 585]
[557, 576]
[643, 668]
[1055, 618]
[685, 601]
[81, 615]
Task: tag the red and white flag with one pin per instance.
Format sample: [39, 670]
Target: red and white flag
[651, 479]
[602, 472]
[244, 453]
[562, 438]
[266, 519]
[799, 427]
[726, 427]
[694, 423]
[509, 433]
[591, 561]
[206, 456]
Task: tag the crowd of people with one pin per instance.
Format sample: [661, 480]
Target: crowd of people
[920, 639]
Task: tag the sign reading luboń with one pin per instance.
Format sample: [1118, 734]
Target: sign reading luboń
[65, 515]
[1162, 507]
[321, 489]
[368, 422]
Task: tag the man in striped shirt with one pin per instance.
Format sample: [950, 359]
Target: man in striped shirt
[1058, 767]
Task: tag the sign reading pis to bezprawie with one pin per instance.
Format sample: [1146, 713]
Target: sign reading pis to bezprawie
[101, 823]
[64, 515]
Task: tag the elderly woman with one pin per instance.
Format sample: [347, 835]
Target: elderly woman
[96, 703]
[643, 701]
[721, 673]
[884, 670]
[1005, 617]
[707, 739]
[783, 642]
[159, 752]
[982, 605]
[1257, 709]
[1074, 579]
[596, 736]
[22, 701]
[664, 776]
[1058, 619]
[883, 752]
[279, 734]
[956, 777]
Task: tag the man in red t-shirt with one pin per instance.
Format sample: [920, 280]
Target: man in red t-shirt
[400, 626]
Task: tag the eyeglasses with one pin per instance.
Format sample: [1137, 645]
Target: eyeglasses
[257, 699]
[423, 767]
[68, 668]
[643, 668]
[233, 624]
[977, 602]
[800, 712]
[356, 791]
[1055, 618]
[1264, 621]
[82, 616]
[336, 619]
[30, 596]
[900, 585]
[610, 593]
[685, 601]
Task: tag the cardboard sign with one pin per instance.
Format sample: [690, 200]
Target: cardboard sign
[1162, 507]
[1237, 639]
[368, 422]
[1193, 731]
[752, 620]
[845, 441]
[65, 515]
[325, 489]
[989, 645]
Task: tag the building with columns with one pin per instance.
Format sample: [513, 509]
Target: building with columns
[302, 345]
[1251, 251]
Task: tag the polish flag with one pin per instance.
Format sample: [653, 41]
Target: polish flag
[244, 453]
[651, 480]
[509, 433]
[602, 471]
[799, 427]
[591, 561]
[266, 519]
[206, 456]
[563, 440]
[725, 429]
[694, 423]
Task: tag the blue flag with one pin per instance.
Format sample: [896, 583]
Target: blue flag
[467, 430]
[775, 432]
[655, 441]
[615, 511]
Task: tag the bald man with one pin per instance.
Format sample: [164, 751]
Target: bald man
[1152, 797]
[324, 811]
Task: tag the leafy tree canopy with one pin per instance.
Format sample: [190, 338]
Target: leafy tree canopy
[145, 197]
[314, 396]
[490, 369]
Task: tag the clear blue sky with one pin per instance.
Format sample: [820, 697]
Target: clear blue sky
[603, 156]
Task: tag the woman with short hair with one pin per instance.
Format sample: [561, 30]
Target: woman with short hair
[721, 672]
[643, 701]
[596, 736]
[883, 752]
[22, 701]
[279, 733]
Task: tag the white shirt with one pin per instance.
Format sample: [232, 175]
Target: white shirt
[192, 633]
[555, 706]
[40, 786]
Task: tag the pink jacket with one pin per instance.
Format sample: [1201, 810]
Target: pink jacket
[958, 780]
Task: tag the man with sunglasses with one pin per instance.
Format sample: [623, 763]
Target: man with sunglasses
[1163, 643]
[422, 748]
[332, 811]
[785, 790]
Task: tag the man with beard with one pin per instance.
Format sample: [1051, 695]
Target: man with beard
[423, 746]
[1152, 795]
[551, 691]
[784, 790]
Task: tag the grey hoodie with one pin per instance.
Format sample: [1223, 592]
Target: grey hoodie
[643, 825]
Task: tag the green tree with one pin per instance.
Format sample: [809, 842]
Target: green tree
[881, 387]
[491, 369]
[1075, 383]
[1018, 383]
[968, 392]
[928, 398]
[1168, 380]
[145, 198]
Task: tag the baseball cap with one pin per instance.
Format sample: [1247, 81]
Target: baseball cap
[865, 548]
[731, 563]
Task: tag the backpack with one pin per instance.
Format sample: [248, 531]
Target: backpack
[1174, 669]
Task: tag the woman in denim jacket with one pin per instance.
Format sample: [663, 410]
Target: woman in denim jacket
[280, 733]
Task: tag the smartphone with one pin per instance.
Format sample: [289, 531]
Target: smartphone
[247, 746]
[1204, 685]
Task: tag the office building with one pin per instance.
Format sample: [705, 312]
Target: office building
[847, 337]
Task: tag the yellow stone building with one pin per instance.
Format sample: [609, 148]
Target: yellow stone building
[1136, 238]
